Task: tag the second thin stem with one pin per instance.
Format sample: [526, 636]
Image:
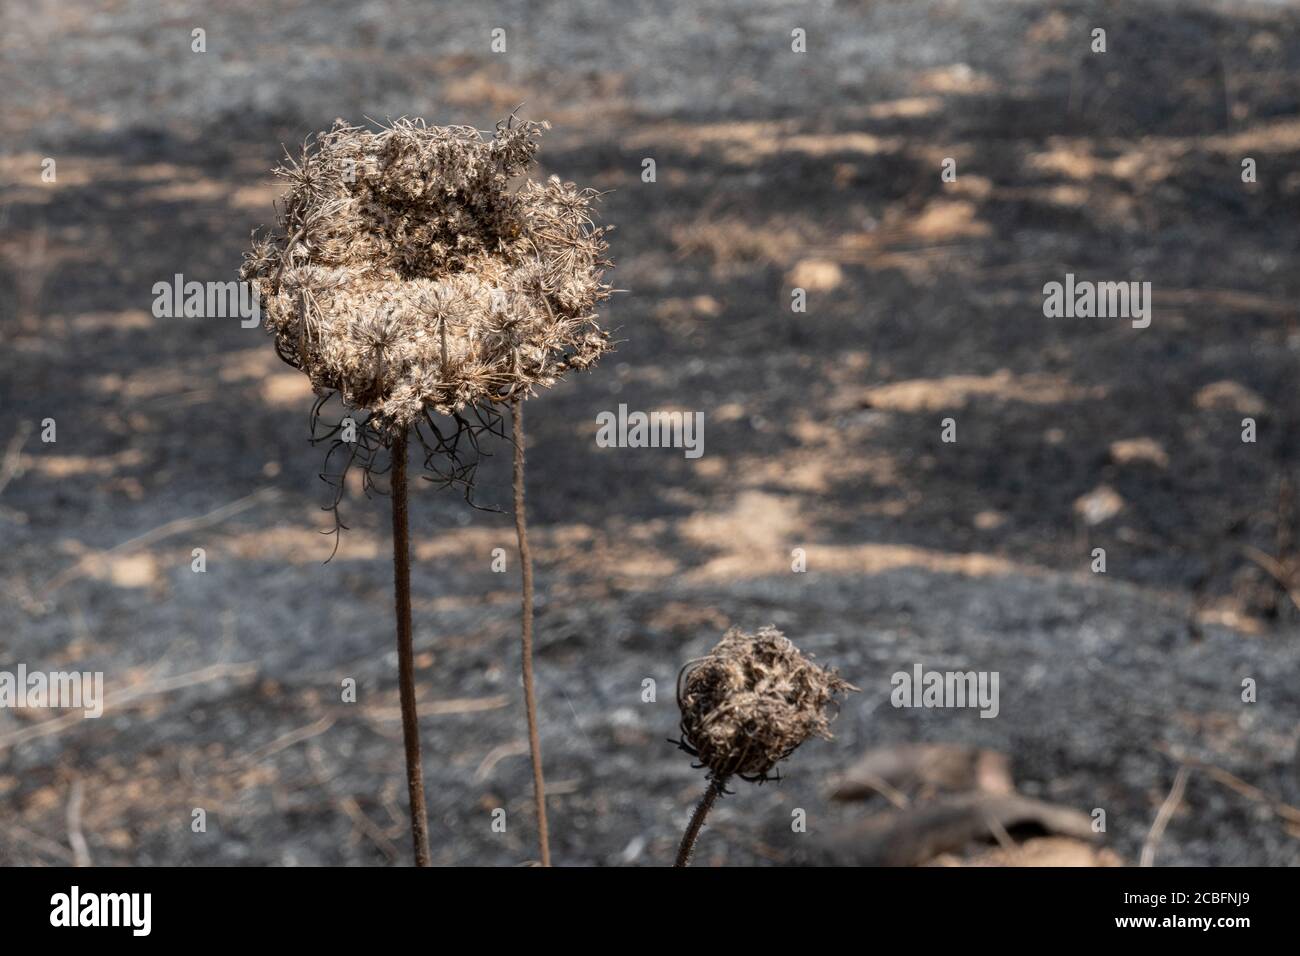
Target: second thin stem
[405, 656]
[526, 637]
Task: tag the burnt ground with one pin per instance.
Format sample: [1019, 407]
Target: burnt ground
[774, 169]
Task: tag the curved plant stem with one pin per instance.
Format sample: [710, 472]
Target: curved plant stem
[697, 822]
[530, 699]
[405, 656]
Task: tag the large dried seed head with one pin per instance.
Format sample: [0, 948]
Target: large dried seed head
[408, 272]
[751, 702]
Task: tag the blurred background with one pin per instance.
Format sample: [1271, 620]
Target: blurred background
[774, 170]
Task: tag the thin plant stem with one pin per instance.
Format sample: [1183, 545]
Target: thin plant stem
[697, 822]
[526, 635]
[405, 655]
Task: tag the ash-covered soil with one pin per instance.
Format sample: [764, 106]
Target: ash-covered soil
[822, 429]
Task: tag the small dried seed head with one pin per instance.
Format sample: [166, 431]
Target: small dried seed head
[409, 272]
[751, 702]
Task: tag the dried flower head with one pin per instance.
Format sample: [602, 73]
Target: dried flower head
[410, 272]
[751, 702]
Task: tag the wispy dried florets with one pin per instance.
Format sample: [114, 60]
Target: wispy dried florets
[409, 273]
[751, 702]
